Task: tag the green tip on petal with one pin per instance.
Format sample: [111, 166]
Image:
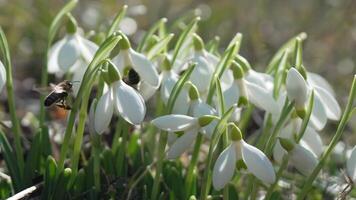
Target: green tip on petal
[110, 73]
[286, 144]
[243, 101]
[124, 43]
[71, 24]
[237, 70]
[193, 91]
[240, 164]
[179, 133]
[206, 120]
[235, 132]
[198, 43]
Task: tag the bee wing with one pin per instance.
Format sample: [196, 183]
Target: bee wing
[42, 90]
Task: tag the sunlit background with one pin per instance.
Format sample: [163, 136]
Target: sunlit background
[329, 50]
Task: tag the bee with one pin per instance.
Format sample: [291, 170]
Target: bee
[59, 95]
[132, 78]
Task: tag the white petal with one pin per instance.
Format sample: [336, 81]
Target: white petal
[169, 79]
[235, 115]
[53, 66]
[91, 116]
[351, 165]
[231, 95]
[182, 144]
[68, 53]
[144, 68]
[87, 48]
[312, 141]
[257, 163]
[146, 90]
[224, 167]
[297, 89]
[303, 160]
[2, 76]
[315, 80]
[227, 79]
[331, 106]
[171, 138]
[119, 61]
[261, 98]
[318, 116]
[199, 108]
[129, 103]
[261, 79]
[201, 74]
[175, 122]
[78, 76]
[278, 152]
[103, 112]
[181, 105]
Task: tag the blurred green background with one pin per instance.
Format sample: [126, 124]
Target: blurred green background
[330, 24]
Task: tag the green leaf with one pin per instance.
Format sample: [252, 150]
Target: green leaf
[11, 163]
[150, 32]
[116, 21]
[33, 159]
[280, 74]
[159, 47]
[178, 87]
[187, 33]
[49, 178]
[62, 186]
[58, 18]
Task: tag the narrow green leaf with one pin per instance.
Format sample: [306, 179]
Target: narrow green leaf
[49, 178]
[116, 21]
[62, 186]
[280, 73]
[150, 32]
[159, 47]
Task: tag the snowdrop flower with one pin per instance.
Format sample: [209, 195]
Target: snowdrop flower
[325, 104]
[311, 140]
[351, 166]
[244, 155]
[2, 76]
[198, 108]
[130, 59]
[71, 54]
[301, 158]
[190, 126]
[242, 91]
[118, 97]
[168, 80]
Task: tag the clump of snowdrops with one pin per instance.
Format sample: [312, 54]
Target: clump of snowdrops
[177, 112]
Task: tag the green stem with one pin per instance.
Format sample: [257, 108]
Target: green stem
[345, 117]
[11, 101]
[79, 134]
[161, 147]
[192, 165]
[121, 150]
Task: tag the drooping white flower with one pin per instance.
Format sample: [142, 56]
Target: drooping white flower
[351, 165]
[130, 59]
[311, 140]
[242, 90]
[71, 54]
[254, 160]
[119, 98]
[2, 76]
[181, 123]
[325, 105]
[301, 158]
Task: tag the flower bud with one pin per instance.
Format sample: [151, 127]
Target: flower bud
[235, 132]
[286, 144]
[71, 24]
[237, 70]
[198, 43]
[110, 73]
[297, 90]
[205, 120]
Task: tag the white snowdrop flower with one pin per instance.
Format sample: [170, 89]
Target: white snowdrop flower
[181, 123]
[297, 89]
[71, 54]
[301, 158]
[241, 154]
[241, 91]
[119, 98]
[311, 140]
[351, 165]
[130, 59]
[198, 108]
[2, 76]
